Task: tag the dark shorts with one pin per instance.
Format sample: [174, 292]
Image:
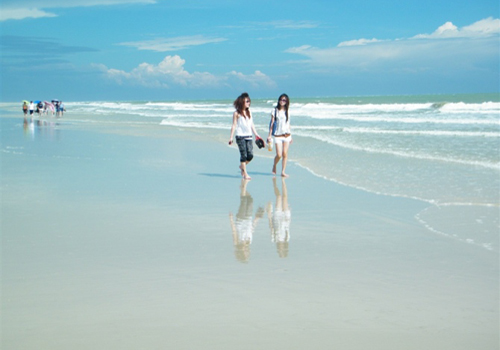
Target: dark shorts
[245, 146]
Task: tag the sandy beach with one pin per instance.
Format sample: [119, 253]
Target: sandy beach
[121, 238]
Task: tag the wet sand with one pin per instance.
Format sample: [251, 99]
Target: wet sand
[123, 239]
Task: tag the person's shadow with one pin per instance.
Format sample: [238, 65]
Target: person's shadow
[243, 225]
[280, 218]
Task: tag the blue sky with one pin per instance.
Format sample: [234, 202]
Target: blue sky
[78, 50]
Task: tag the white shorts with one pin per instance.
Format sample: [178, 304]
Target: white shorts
[282, 139]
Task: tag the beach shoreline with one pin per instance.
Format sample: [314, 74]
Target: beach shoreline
[121, 237]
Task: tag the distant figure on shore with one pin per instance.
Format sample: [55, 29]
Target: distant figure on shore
[60, 109]
[32, 108]
[244, 127]
[39, 108]
[279, 219]
[280, 129]
[25, 108]
[244, 225]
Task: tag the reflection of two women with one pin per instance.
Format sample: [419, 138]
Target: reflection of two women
[244, 224]
[279, 219]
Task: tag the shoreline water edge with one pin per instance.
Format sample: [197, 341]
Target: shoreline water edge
[442, 149]
[127, 225]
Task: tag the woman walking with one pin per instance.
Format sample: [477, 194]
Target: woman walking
[282, 134]
[244, 127]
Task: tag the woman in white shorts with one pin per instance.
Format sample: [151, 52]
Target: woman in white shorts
[282, 135]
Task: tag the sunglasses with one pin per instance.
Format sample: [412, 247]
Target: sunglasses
[283, 100]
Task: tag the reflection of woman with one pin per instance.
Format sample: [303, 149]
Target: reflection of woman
[279, 219]
[282, 137]
[244, 224]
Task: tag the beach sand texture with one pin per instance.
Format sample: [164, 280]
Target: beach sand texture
[122, 238]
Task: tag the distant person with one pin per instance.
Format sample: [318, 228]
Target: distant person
[280, 122]
[25, 108]
[244, 127]
[32, 108]
[279, 219]
[39, 108]
[244, 224]
[61, 108]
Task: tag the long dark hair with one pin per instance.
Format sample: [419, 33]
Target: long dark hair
[286, 105]
[239, 105]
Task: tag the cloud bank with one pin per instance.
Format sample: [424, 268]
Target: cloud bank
[172, 44]
[22, 9]
[447, 47]
[170, 72]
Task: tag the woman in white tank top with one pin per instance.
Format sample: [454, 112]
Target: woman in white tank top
[283, 134]
[244, 127]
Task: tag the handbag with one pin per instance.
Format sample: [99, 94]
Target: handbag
[259, 142]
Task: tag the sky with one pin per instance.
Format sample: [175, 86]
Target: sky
[101, 50]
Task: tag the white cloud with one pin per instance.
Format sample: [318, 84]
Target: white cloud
[358, 42]
[255, 80]
[170, 72]
[288, 24]
[22, 9]
[483, 28]
[475, 43]
[22, 13]
[172, 44]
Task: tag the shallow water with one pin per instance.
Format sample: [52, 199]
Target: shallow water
[118, 236]
[442, 149]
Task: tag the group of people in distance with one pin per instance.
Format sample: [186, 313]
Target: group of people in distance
[55, 107]
[279, 127]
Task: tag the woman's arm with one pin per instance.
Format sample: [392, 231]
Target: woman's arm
[253, 127]
[270, 128]
[233, 127]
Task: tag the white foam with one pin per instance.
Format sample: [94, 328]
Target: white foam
[475, 108]
[409, 154]
[402, 132]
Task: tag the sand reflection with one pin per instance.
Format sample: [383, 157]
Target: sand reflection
[243, 225]
[280, 218]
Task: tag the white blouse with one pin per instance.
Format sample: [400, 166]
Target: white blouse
[282, 126]
[244, 126]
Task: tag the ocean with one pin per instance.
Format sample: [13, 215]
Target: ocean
[441, 149]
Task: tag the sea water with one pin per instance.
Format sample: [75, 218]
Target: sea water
[441, 149]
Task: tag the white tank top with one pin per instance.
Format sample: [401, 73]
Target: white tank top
[244, 126]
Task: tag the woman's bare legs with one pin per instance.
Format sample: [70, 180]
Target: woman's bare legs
[285, 158]
[281, 154]
[243, 168]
